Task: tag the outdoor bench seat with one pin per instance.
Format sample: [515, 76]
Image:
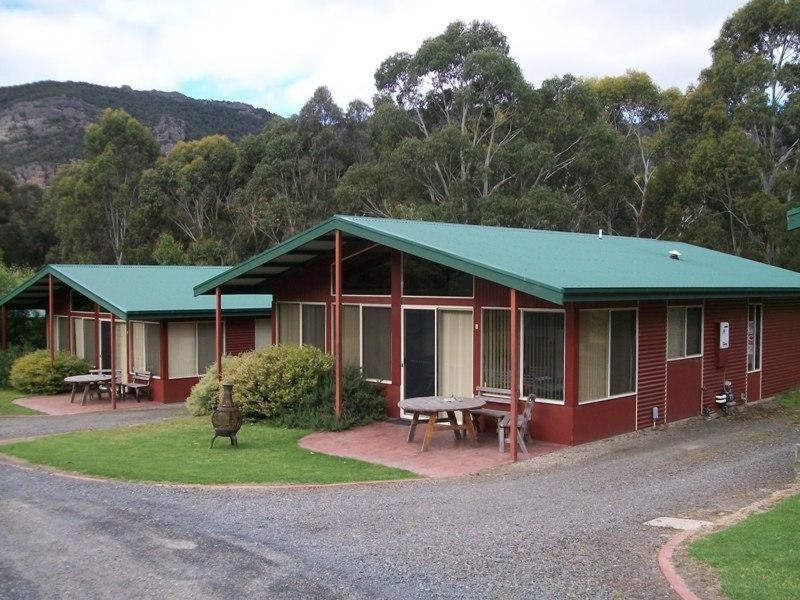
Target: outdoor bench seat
[503, 417]
[139, 384]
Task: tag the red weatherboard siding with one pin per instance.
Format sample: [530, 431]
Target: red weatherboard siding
[781, 356]
[735, 368]
[652, 362]
[240, 335]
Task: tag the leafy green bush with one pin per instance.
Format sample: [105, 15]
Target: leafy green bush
[7, 358]
[32, 373]
[289, 386]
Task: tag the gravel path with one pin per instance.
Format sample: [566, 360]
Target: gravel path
[567, 525]
[27, 426]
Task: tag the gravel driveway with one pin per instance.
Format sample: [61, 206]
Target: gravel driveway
[567, 525]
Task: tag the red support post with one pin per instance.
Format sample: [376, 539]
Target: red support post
[97, 364]
[4, 327]
[51, 307]
[514, 372]
[218, 331]
[113, 344]
[337, 322]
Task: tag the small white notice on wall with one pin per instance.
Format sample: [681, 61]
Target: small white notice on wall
[724, 335]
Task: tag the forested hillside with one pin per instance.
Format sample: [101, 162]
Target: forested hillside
[454, 132]
[42, 124]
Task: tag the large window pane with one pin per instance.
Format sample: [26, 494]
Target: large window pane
[288, 323]
[121, 346]
[593, 355]
[351, 335]
[77, 336]
[543, 355]
[206, 346]
[139, 340]
[454, 345]
[182, 349]
[88, 340]
[377, 323]
[425, 278]
[62, 334]
[79, 302]
[153, 348]
[676, 332]
[754, 337]
[314, 325]
[368, 273]
[623, 352]
[496, 358]
[694, 330]
[263, 333]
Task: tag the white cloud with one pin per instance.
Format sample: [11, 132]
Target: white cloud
[275, 54]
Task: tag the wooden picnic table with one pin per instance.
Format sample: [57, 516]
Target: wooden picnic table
[431, 406]
[87, 381]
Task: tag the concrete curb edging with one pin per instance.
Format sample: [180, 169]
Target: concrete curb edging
[675, 581]
[665, 554]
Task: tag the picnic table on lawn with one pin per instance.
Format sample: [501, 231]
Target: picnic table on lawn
[87, 381]
[431, 406]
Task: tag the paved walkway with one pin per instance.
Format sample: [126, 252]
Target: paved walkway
[385, 443]
[60, 404]
[567, 525]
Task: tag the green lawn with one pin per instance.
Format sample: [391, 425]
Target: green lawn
[759, 557]
[789, 403]
[7, 407]
[178, 451]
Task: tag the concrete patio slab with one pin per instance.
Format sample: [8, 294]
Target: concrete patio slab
[678, 523]
[60, 405]
[385, 443]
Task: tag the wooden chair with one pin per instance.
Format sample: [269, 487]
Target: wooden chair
[523, 426]
[139, 384]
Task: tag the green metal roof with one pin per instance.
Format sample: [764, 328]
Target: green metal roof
[556, 266]
[135, 290]
[793, 219]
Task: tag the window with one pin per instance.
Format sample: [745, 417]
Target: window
[543, 354]
[684, 331]
[192, 348]
[79, 302]
[367, 340]
[83, 341]
[263, 333]
[146, 347]
[368, 273]
[754, 318]
[607, 354]
[496, 359]
[301, 324]
[425, 278]
[62, 334]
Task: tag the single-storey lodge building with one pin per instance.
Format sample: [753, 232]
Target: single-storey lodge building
[612, 334]
[159, 325]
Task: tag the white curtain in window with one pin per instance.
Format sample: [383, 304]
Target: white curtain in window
[121, 350]
[138, 362]
[263, 333]
[455, 353]
[77, 335]
[288, 323]
[182, 354]
[593, 370]
[676, 332]
[496, 351]
[351, 335]
[88, 340]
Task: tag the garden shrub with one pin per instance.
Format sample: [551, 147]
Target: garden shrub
[7, 358]
[32, 373]
[289, 386]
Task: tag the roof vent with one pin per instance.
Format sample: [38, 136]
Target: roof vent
[599, 234]
[674, 255]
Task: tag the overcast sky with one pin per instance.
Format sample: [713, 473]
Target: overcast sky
[274, 54]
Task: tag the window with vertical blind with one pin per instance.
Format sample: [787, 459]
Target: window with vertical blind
[367, 340]
[263, 329]
[146, 342]
[543, 354]
[607, 354]
[62, 334]
[301, 324]
[121, 349]
[83, 341]
[754, 318]
[495, 351]
[684, 331]
[192, 348]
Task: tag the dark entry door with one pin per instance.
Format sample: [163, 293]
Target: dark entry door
[684, 378]
[105, 345]
[419, 362]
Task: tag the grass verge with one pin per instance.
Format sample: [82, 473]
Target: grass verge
[789, 403]
[7, 407]
[178, 451]
[759, 557]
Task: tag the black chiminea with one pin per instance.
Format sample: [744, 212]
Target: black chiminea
[226, 418]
